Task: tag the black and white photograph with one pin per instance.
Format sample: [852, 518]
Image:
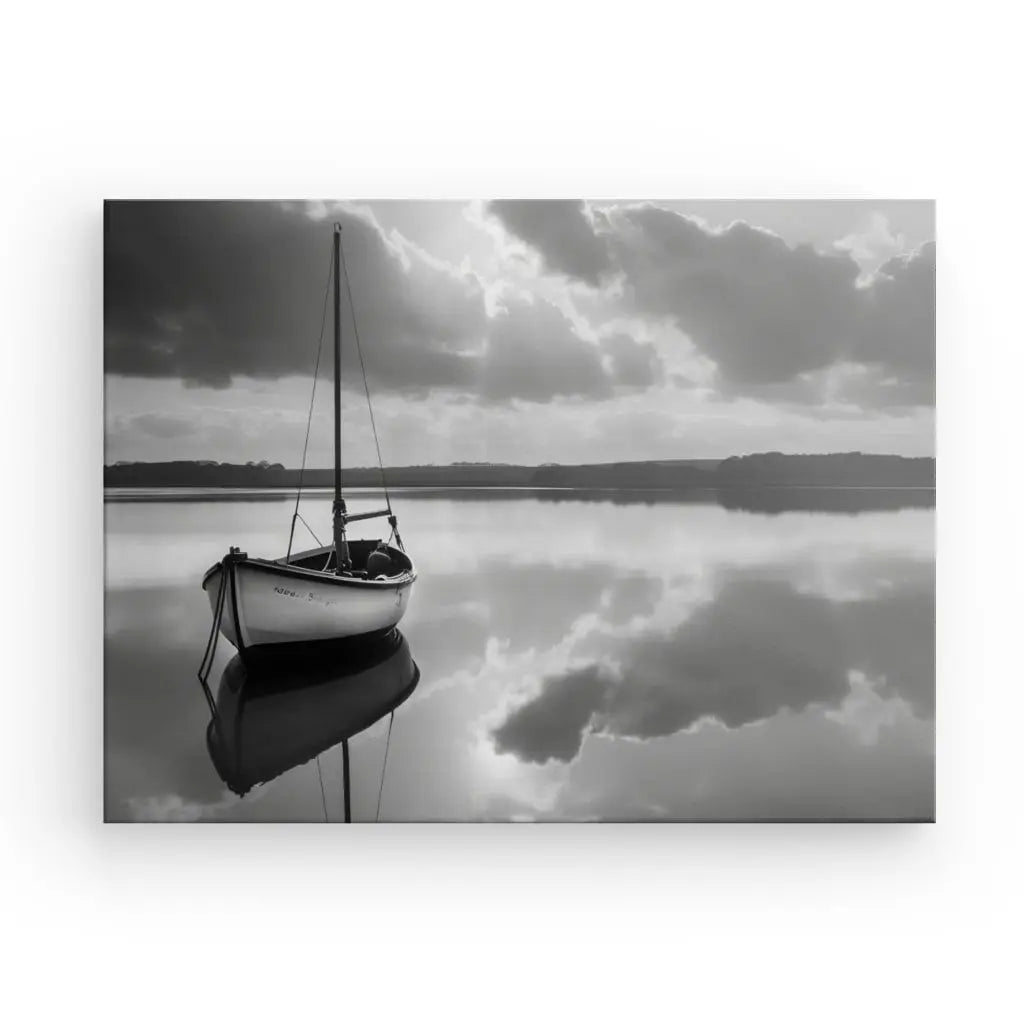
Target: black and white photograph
[519, 510]
[512, 512]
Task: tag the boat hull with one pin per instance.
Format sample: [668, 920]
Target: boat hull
[271, 604]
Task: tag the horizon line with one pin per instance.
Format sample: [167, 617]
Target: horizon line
[266, 463]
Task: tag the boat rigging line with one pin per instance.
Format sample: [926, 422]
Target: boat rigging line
[384, 768]
[323, 798]
[366, 386]
[308, 527]
[309, 418]
[296, 517]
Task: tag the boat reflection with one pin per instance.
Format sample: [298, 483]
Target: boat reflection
[273, 715]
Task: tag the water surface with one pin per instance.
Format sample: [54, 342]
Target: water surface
[580, 656]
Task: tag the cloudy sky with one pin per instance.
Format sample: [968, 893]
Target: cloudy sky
[523, 331]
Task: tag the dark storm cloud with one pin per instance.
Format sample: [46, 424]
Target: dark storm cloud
[898, 328]
[204, 291]
[534, 353]
[207, 291]
[633, 363]
[765, 312]
[561, 231]
[759, 647]
[762, 311]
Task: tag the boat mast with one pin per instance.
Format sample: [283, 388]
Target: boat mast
[342, 560]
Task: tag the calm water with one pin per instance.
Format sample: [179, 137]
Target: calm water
[579, 658]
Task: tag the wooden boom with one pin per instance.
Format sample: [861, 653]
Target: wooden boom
[356, 516]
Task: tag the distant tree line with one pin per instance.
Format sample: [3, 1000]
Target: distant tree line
[623, 475]
[193, 474]
[849, 469]
[771, 469]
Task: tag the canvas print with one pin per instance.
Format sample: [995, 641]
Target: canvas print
[519, 510]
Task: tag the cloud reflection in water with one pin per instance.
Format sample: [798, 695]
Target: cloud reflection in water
[579, 660]
[757, 648]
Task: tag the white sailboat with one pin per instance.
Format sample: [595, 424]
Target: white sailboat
[341, 590]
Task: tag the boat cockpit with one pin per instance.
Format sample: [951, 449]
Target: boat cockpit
[370, 560]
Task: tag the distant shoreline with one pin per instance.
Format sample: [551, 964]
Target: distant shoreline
[772, 469]
[759, 499]
[285, 491]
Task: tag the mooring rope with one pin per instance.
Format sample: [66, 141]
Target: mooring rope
[218, 612]
[384, 768]
[309, 418]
